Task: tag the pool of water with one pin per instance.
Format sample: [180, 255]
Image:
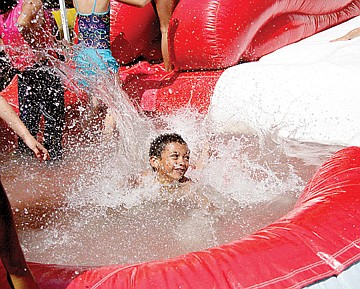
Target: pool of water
[84, 210]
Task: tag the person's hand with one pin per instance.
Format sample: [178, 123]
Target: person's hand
[40, 152]
[348, 36]
[342, 38]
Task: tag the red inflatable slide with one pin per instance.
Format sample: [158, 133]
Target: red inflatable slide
[211, 35]
[319, 237]
[215, 34]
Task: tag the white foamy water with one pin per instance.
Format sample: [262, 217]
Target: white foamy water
[92, 215]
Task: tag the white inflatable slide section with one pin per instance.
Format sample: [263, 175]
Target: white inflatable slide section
[308, 91]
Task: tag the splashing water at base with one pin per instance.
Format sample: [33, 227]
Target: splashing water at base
[90, 215]
[85, 211]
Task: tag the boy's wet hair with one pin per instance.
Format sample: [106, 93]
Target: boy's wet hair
[157, 146]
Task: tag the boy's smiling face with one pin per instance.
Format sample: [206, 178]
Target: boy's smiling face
[173, 164]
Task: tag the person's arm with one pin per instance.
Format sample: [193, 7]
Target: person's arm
[11, 252]
[29, 14]
[12, 119]
[30, 22]
[137, 3]
[348, 36]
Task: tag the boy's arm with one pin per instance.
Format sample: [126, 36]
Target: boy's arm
[137, 3]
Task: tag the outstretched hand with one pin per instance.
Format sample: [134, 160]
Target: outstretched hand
[348, 36]
[342, 38]
[40, 152]
[11, 118]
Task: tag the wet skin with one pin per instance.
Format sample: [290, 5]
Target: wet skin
[173, 163]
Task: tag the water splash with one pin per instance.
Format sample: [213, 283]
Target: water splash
[92, 215]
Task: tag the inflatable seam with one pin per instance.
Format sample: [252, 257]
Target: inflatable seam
[213, 13]
[105, 278]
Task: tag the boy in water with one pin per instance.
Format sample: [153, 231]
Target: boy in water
[169, 158]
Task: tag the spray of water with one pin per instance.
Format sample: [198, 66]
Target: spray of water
[246, 180]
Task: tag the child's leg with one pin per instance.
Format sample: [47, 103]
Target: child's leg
[109, 124]
[164, 9]
[53, 110]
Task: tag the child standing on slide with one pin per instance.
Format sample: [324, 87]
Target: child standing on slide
[93, 18]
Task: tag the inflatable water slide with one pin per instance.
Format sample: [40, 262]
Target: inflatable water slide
[315, 245]
[207, 37]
